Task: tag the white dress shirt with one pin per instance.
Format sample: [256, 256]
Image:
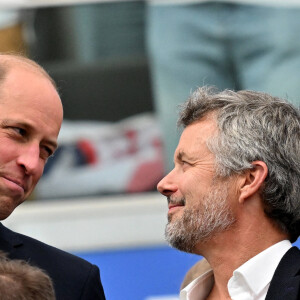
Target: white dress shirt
[250, 281]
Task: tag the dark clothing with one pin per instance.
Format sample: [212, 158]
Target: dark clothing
[286, 280]
[73, 278]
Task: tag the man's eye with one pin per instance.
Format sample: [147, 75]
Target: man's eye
[46, 152]
[19, 130]
[185, 163]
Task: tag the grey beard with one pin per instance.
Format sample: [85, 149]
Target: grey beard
[199, 223]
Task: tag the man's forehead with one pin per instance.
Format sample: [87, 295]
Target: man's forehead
[200, 130]
[195, 136]
[25, 85]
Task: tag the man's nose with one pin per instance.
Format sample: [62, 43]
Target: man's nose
[167, 185]
[29, 159]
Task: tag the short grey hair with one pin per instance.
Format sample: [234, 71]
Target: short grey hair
[255, 126]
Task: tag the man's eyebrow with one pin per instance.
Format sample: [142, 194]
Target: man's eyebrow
[11, 122]
[181, 154]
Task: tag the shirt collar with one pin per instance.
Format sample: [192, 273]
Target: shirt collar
[255, 275]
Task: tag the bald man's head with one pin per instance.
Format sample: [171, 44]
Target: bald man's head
[8, 61]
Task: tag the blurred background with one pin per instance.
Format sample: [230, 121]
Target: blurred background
[122, 68]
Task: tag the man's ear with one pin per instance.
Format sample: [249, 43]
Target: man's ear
[253, 179]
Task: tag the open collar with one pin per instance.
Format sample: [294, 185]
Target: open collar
[254, 276]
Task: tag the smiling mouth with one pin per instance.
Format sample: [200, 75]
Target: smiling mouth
[174, 207]
[172, 202]
[15, 182]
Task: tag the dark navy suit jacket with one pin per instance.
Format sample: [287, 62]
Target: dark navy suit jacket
[286, 280]
[73, 277]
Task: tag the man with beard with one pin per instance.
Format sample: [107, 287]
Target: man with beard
[233, 195]
[31, 114]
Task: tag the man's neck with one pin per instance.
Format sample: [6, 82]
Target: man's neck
[229, 250]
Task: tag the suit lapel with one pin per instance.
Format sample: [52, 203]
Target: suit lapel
[9, 241]
[286, 280]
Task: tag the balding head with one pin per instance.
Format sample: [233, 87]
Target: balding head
[9, 61]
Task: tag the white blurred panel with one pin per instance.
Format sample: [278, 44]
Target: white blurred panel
[94, 224]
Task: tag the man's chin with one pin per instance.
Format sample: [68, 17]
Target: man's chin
[181, 245]
[4, 214]
[172, 217]
[178, 238]
[7, 206]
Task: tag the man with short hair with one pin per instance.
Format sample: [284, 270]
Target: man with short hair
[31, 114]
[233, 194]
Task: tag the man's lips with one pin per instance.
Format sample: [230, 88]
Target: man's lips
[15, 181]
[174, 208]
[174, 205]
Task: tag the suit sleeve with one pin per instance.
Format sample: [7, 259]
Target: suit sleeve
[93, 289]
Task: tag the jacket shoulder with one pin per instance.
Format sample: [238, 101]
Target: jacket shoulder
[285, 283]
[72, 276]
